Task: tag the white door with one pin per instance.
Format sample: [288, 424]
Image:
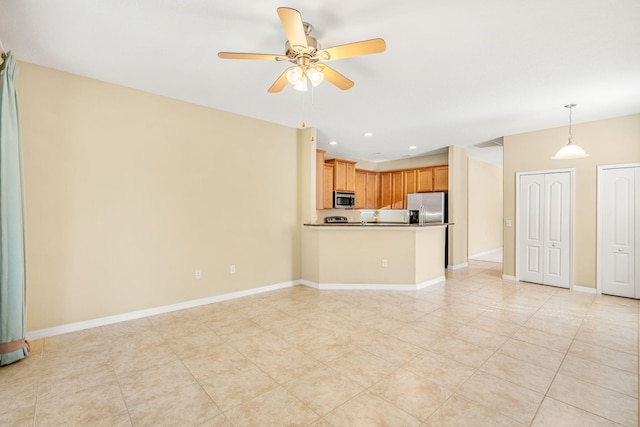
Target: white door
[544, 228]
[618, 202]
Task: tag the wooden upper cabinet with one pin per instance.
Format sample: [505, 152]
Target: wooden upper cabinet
[385, 191]
[361, 189]
[373, 190]
[410, 185]
[344, 175]
[424, 180]
[397, 190]
[327, 193]
[441, 178]
[367, 193]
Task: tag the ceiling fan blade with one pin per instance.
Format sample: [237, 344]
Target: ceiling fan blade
[280, 83]
[292, 23]
[259, 56]
[336, 78]
[365, 47]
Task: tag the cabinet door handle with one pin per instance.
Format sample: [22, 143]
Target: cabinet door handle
[619, 249]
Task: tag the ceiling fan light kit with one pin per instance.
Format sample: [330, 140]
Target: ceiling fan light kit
[303, 50]
[571, 150]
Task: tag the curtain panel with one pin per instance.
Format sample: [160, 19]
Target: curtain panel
[13, 345]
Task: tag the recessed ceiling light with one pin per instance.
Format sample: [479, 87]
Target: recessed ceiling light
[367, 134]
[332, 143]
[412, 147]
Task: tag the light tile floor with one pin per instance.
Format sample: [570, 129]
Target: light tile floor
[473, 351]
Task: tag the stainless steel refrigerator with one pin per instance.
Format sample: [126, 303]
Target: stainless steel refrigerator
[430, 207]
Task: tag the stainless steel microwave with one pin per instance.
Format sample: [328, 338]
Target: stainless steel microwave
[344, 199]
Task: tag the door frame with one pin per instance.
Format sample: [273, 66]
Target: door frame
[599, 248]
[572, 204]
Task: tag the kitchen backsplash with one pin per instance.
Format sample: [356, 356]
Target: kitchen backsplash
[368, 215]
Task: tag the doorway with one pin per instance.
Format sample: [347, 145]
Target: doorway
[544, 227]
[618, 236]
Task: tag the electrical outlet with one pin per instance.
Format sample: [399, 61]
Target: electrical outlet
[385, 264]
[507, 222]
[232, 269]
[198, 274]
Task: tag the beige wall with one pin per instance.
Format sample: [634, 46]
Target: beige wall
[485, 207]
[609, 141]
[414, 162]
[458, 212]
[127, 193]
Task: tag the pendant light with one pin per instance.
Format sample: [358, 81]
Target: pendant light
[571, 150]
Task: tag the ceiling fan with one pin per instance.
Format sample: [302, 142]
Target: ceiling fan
[303, 50]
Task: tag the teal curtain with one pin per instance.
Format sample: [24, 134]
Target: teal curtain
[13, 345]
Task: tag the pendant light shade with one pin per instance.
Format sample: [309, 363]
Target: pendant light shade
[571, 150]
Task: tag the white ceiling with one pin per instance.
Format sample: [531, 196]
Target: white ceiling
[457, 72]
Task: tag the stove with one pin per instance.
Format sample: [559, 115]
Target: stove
[336, 220]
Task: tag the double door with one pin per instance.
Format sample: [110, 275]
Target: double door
[544, 228]
[618, 230]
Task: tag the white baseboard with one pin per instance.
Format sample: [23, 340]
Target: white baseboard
[584, 289]
[79, 326]
[431, 282]
[508, 277]
[309, 284]
[372, 286]
[457, 266]
[485, 253]
[103, 321]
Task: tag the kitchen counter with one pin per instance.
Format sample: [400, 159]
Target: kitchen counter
[388, 256]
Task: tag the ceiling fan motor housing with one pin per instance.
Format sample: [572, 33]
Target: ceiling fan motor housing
[312, 44]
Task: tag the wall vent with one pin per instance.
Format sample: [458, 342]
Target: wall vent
[497, 142]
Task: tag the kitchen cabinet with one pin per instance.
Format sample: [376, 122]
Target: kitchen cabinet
[367, 193]
[424, 180]
[441, 178]
[327, 192]
[397, 190]
[344, 174]
[385, 191]
[361, 189]
[373, 192]
[410, 185]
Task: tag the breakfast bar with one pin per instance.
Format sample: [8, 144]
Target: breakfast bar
[373, 255]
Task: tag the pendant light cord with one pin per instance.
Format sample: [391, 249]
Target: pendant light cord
[570, 107]
[570, 134]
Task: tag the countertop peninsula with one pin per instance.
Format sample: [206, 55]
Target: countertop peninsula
[384, 256]
[378, 224]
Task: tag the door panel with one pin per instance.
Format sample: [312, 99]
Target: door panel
[617, 198]
[557, 226]
[533, 261]
[621, 266]
[554, 262]
[545, 228]
[531, 206]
